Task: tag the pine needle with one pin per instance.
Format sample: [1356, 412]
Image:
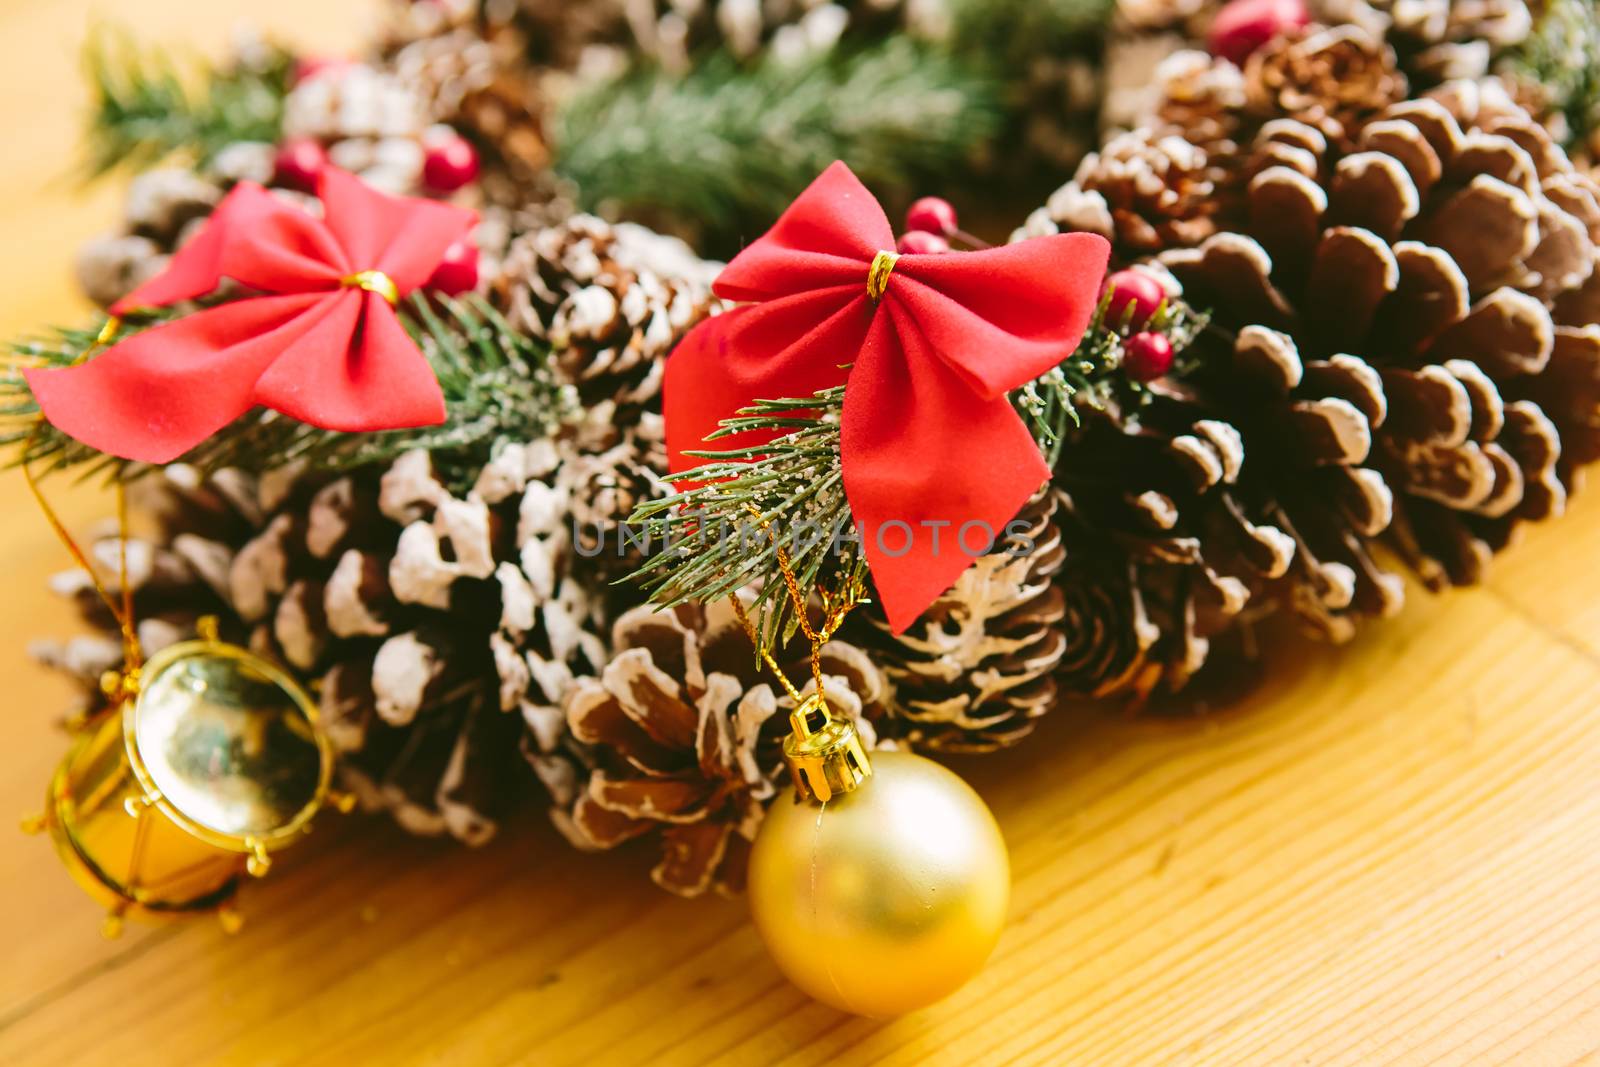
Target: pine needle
[1562, 58]
[1091, 378]
[725, 534]
[147, 108]
[729, 146]
[498, 384]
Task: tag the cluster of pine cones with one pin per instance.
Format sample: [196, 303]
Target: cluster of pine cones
[1403, 360]
[1402, 364]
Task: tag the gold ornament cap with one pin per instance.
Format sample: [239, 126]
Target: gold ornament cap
[825, 755]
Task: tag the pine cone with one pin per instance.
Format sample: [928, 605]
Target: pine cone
[1202, 99]
[466, 81]
[1143, 191]
[975, 670]
[679, 741]
[436, 628]
[1331, 79]
[163, 208]
[371, 121]
[613, 300]
[1437, 40]
[604, 488]
[1456, 253]
[1419, 310]
[1143, 35]
[1206, 502]
[559, 34]
[672, 33]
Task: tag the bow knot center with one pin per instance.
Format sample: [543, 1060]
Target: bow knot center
[373, 281]
[878, 274]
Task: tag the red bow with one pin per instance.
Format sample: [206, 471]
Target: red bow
[324, 345]
[930, 446]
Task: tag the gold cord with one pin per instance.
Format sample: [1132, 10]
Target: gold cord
[878, 274]
[834, 609]
[132, 655]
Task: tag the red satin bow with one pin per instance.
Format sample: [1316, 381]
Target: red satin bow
[930, 445]
[323, 345]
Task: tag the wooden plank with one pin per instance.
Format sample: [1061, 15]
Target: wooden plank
[1388, 855]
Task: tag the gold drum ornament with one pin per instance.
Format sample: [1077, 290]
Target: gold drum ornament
[214, 761]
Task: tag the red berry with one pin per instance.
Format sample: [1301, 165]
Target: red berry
[299, 164]
[1243, 26]
[932, 214]
[1135, 289]
[457, 272]
[921, 243]
[449, 164]
[308, 67]
[1146, 356]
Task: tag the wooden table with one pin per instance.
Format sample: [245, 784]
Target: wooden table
[1390, 855]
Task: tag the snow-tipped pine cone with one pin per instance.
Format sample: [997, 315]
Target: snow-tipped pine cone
[976, 670]
[1438, 40]
[1143, 191]
[613, 299]
[435, 629]
[678, 741]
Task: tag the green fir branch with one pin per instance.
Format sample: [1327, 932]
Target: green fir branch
[1089, 378]
[1009, 34]
[726, 533]
[498, 383]
[727, 147]
[1561, 61]
[146, 107]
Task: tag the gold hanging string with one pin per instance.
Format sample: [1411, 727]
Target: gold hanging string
[835, 606]
[123, 613]
[772, 664]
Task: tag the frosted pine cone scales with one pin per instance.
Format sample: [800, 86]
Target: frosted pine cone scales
[612, 300]
[435, 629]
[677, 741]
[975, 671]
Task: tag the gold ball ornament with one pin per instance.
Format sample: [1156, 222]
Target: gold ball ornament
[884, 898]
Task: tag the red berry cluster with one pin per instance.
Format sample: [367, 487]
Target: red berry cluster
[1135, 298]
[449, 164]
[931, 225]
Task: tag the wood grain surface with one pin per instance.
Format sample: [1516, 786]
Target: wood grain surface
[1391, 854]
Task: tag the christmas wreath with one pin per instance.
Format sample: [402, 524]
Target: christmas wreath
[466, 493]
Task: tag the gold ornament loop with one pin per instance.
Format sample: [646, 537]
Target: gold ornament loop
[121, 612]
[373, 281]
[878, 274]
[825, 755]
